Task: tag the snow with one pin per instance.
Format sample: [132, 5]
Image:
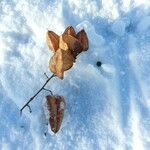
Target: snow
[118, 27]
[107, 107]
[46, 112]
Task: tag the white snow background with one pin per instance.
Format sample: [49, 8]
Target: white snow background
[108, 107]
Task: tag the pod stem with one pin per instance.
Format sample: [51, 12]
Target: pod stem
[42, 88]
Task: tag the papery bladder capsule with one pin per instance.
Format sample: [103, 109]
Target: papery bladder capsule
[54, 107]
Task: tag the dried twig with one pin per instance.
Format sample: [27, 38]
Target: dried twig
[46, 75]
[48, 90]
[42, 88]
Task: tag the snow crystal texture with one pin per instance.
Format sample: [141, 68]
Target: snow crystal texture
[108, 107]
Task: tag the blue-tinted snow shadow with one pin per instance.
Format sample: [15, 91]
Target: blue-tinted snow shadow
[121, 51]
[16, 39]
[83, 109]
[103, 28]
[14, 129]
[69, 18]
[118, 54]
[142, 110]
[139, 97]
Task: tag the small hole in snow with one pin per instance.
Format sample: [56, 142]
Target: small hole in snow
[99, 63]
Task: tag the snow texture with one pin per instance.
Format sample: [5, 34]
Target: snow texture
[108, 107]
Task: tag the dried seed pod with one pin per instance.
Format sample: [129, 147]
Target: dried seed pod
[73, 44]
[70, 31]
[54, 108]
[52, 40]
[62, 44]
[82, 37]
[60, 62]
[66, 48]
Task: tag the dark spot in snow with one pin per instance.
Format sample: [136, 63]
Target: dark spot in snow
[45, 133]
[22, 126]
[99, 63]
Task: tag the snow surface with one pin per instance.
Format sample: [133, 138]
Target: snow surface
[108, 108]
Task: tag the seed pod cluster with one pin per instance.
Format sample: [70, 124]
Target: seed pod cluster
[66, 48]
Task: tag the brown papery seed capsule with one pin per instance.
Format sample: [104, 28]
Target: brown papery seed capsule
[54, 108]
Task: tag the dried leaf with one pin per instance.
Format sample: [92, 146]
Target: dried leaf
[60, 62]
[52, 40]
[55, 106]
[82, 37]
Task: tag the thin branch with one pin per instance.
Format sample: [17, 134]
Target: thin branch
[46, 75]
[42, 88]
[48, 90]
[29, 108]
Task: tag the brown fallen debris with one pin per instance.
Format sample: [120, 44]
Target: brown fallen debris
[54, 109]
[66, 48]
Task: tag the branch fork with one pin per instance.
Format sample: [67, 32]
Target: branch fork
[42, 88]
